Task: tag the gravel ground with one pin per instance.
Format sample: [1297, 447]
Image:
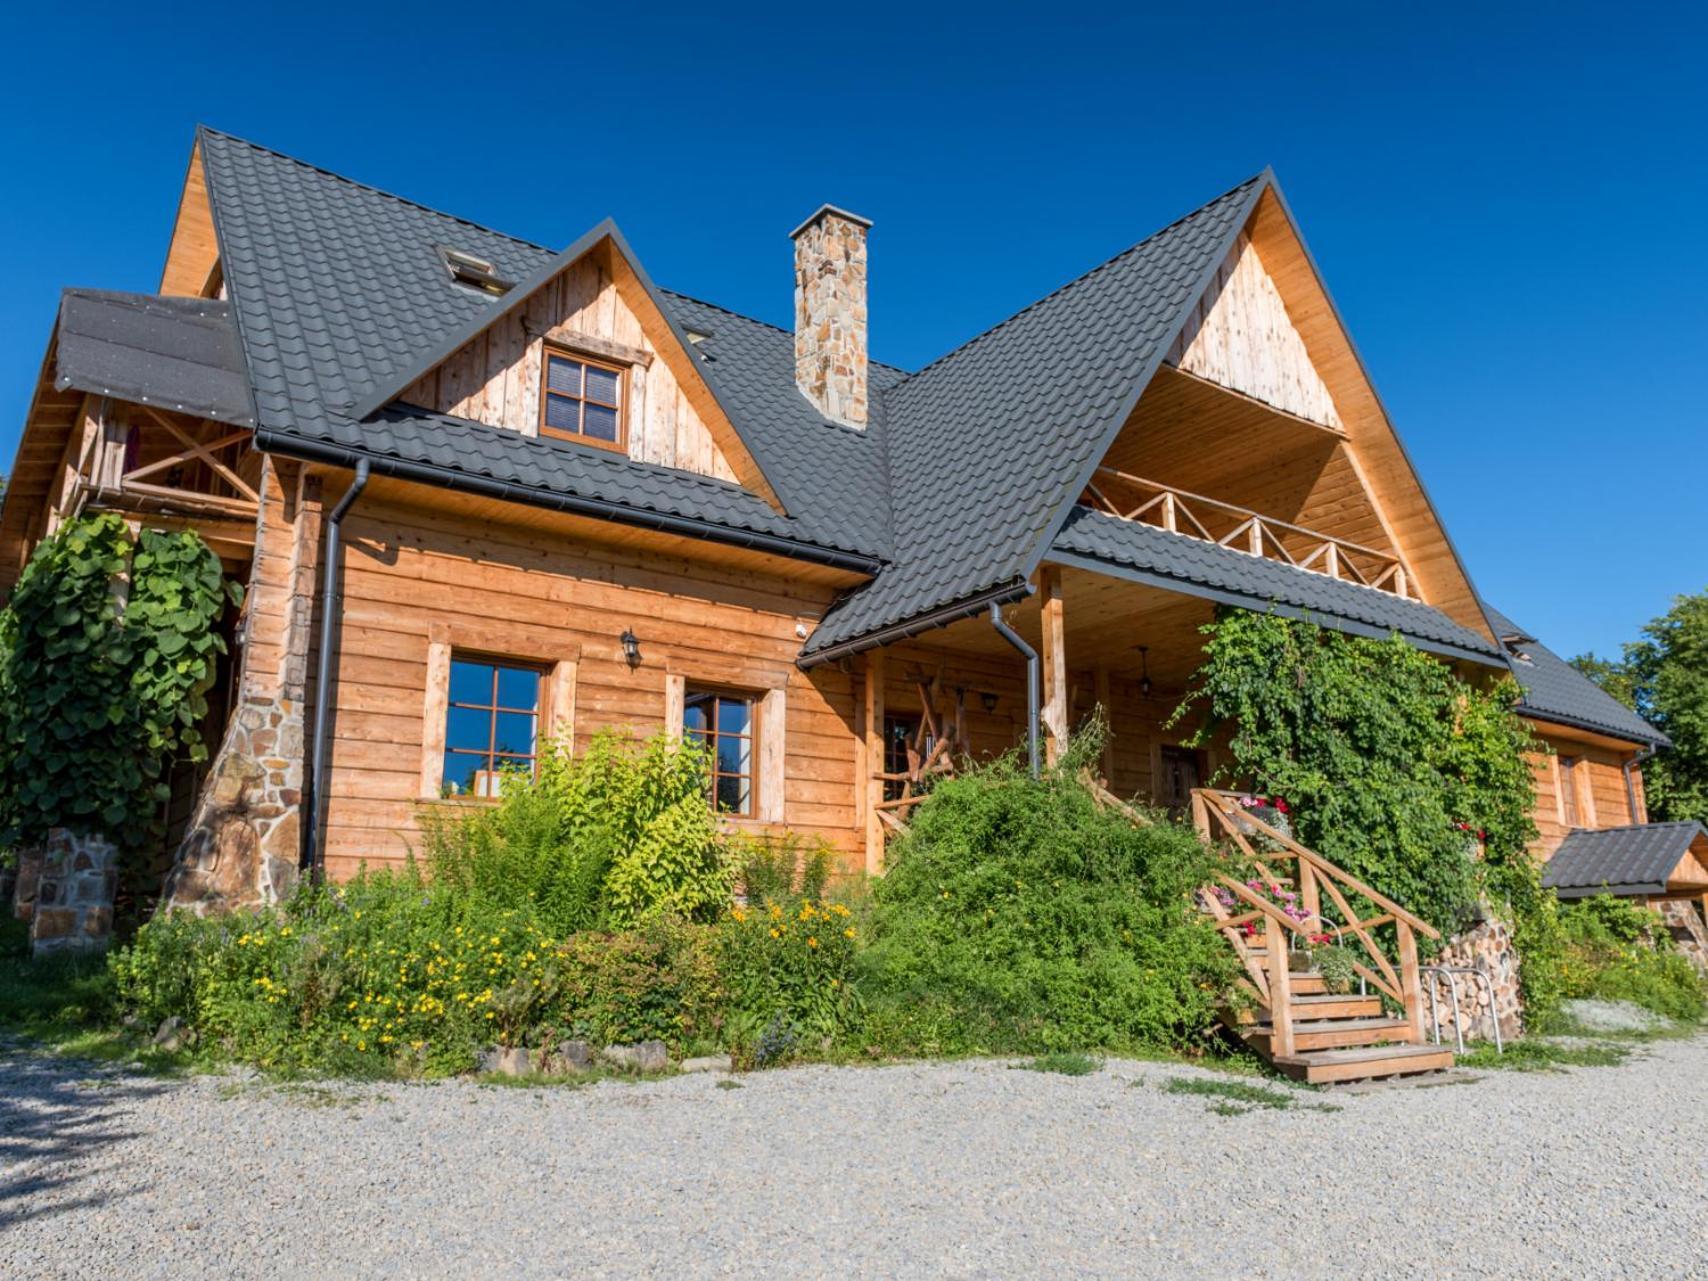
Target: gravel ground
[958, 1170]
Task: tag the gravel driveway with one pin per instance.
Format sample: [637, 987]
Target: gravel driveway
[961, 1170]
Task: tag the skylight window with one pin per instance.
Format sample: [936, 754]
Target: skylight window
[474, 272]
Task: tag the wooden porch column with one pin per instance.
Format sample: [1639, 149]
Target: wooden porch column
[874, 754]
[1054, 696]
[1106, 701]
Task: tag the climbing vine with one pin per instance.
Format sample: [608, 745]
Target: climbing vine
[1393, 765]
[107, 651]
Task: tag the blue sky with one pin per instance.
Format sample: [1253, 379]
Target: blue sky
[1507, 203]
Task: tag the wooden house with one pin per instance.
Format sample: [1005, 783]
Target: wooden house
[484, 493]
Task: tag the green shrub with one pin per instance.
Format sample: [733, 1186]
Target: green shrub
[608, 839]
[1615, 950]
[788, 967]
[1019, 916]
[782, 869]
[657, 982]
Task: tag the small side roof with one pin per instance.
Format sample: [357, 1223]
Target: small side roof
[178, 354]
[1556, 691]
[1650, 858]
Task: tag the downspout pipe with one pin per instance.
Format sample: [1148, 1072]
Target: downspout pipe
[313, 854]
[1032, 668]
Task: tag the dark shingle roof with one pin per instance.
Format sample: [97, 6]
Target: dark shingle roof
[1195, 567]
[988, 444]
[1620, 860]
[340, 292]
[180, 354]
[1554, 690]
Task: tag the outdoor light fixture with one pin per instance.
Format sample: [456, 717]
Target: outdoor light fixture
[631, 649]
[1145, 677]
[989, 700]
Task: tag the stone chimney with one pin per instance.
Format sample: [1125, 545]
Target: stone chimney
[830, 313]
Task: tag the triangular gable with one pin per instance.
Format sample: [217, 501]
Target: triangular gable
[507, 319]
[193, 254]
[1240, 337]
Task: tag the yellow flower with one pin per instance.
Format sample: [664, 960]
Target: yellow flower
[776, 933]
[848, 933]
[812, 942]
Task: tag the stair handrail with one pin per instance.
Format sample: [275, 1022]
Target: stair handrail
[1316, 873]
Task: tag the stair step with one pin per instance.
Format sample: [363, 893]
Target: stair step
[1323, 1067]
[1315, 1005]
[1335, 1033]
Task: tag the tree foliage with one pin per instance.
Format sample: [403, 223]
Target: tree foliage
[1664, 677]
[107, 651]
[1391, 763]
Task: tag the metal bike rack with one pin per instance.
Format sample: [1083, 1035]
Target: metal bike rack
[1451, 974]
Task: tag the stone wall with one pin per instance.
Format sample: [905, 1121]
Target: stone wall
[243, 845]
[1684, 923]
[65, 891]
[1488, 947]
[831, 361]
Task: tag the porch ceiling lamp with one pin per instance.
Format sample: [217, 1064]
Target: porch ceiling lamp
[1145, 676]
[631, 648]
[989, 700]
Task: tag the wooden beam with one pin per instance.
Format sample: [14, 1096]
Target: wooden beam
[1106, 701]
[873, 724]
[1055, 693]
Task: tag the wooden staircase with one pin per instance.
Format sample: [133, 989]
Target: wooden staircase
[1294, 1022]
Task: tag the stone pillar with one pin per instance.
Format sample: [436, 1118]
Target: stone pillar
[244, 841]
[1486, 946]
[831, 361]
[73, 903]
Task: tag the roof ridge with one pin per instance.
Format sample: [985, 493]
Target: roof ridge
[378, 191]
[1093, 270]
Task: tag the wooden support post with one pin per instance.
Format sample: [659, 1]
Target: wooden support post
[1106, 701]
[1168, 521]
[874, 727]
[1200, 812]
[1280, 989]
[1055, 693]
[1410, 989]
[1310, 897]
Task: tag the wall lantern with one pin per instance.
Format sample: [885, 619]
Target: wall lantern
[631, 649]
[989, 701]
[1145, 662]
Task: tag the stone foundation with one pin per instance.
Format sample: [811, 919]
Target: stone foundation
[243, 845]
[1685, 924]
[70, 883]
[1488, 947]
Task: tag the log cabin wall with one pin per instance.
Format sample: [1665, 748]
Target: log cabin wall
[1580, 784]
[416, 577]
[495, 378]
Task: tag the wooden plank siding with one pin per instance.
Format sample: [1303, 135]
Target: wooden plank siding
[495, 379]
[529, 596]
[1599, 779]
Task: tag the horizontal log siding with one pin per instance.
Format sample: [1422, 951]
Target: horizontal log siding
[1600, 771]
[407, 569]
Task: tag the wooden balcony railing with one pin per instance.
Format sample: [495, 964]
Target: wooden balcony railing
[1218, 815]
[1213, 521]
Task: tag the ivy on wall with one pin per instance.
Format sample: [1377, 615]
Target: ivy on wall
[1391, 763]
[107, 651]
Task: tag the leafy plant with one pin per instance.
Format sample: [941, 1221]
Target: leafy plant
[1336, 965]
[1018, 915]
[790, 965]
[781, 869]
[1615, 950]
[107, 651]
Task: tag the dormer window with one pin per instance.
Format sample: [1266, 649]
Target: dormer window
[474, 272]
[582, 399]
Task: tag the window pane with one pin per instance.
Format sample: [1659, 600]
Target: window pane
[515, 733]
[459, 776]
[735, 716]
[471, 682]
[602, 385]
[468, 727]
[600, 423]
[696, 715]
[518, 688]
[733, 794]
[735, 755]
[563, 415]
[563, 375]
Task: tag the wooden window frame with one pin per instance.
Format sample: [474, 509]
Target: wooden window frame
[766, 684]
[1571, 801]
[498, 663]
[754, 700]
[550, 351]
[892, 764]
